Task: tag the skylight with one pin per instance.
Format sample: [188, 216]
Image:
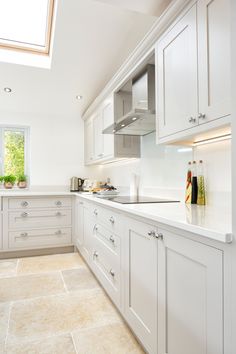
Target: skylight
[26, 25]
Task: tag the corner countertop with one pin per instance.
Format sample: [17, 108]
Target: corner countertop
[207, 221]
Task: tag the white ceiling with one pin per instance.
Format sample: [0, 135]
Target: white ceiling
[92, 40]
[150, 7]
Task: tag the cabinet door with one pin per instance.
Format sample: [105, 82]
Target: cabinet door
[88, 140]
[190, 296]
[88, 232]
[214, 59]
[140, 286]
[108, 139]
[176, 77]
[79, 226]
[98, 136]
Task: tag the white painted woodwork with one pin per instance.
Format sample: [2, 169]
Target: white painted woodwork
[98, 136]
[39, 238]
[1, 229]
[108, 139]
[140, 283]
[214, 58]
[79, 222]
[87, 237]
[107, 238]
[39, 218]
[190, 297]
[39, 202]
[88, 141]
[176, 77]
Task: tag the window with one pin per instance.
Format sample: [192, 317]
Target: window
[26, 25]
[14, 151]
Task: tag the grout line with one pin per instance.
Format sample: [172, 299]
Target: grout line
[17, 265]
[63, 281]
[73, 341]
[8, 325]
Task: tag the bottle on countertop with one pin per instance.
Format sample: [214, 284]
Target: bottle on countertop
[194, 184]
[201, 199]
[188, 191]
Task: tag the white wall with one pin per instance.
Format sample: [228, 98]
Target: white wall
[56, 147]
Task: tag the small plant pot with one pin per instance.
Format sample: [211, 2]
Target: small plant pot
[22, 184]
[8, 185]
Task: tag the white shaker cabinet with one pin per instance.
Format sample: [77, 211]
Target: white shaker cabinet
[88, 141]
[98, 136]
[214, 59]
[190, 297]
[177, 105]
[140, 282]
[79, 223]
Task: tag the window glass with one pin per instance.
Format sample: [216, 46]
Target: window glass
[14, 152]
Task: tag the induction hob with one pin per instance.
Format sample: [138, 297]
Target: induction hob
[139, 200]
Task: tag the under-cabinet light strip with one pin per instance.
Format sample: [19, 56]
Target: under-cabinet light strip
[212, 140]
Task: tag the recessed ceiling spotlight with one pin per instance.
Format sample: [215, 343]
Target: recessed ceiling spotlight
[7, 89]
[134, 118]
[79, 97]
[113, 131]
[123, 125]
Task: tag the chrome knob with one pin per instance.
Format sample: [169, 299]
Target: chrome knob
[192, 120]
[95, 254]
[58, 203]
[151, 233]
[58, 233]
[24, 204]
[24, 215]
[95, 228]
[95, 212]
[24, 234]
[112, 220]
[112, 239]
[155, 234]
[201, 116]
[112, 273]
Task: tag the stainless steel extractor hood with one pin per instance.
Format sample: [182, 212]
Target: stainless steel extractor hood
[140, 120]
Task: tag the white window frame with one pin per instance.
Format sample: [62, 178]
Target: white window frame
[31, 48]
[26, 131]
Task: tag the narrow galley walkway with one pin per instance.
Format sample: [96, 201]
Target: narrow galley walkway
[54, 305]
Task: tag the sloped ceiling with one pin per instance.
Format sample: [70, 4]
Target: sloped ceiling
[149, 7]
[92, 40]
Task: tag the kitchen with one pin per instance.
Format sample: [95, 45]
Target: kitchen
[97, 273]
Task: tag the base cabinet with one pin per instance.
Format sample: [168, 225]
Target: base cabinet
[190, 297]
[140, 282]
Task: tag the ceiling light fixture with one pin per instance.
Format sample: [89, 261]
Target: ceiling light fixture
[123, 125]
[7, 89]
[79, 97]
[134, 118]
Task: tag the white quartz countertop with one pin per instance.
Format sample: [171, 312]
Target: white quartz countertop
[207, 221]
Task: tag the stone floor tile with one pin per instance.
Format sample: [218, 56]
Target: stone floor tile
[4, 317]
[8, 267]
[29, 286]
[79, 279]
[55, 315]
[50, 263]
[53, 345]
[112, 338]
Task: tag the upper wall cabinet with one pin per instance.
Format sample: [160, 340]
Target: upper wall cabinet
[193, 72]
[99, 147]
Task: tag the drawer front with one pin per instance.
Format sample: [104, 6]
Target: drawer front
[107, 217]
[107, 269]
[39, 219]
[107, 239]
[39, 238]
[47, 202]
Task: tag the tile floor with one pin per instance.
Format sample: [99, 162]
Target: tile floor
[54, 305]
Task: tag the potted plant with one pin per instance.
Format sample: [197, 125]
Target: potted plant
[1, 181]
[22, 181]
[9, 181]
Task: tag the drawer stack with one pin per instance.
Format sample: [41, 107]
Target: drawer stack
[106, 250]
[38, 222]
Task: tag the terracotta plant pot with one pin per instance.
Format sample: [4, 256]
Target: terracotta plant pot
[22, 184]
[8, 185]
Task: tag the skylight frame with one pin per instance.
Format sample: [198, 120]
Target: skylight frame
[31, 48]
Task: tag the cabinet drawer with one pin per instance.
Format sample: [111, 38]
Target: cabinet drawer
[106, 266]
[39, 238]
[107, 217]
[48, 202]
[107, 239]
[39, 219]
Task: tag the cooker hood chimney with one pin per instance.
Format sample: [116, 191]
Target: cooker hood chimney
[140, 120]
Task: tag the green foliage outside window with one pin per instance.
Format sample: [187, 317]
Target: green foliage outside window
[14, 161]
